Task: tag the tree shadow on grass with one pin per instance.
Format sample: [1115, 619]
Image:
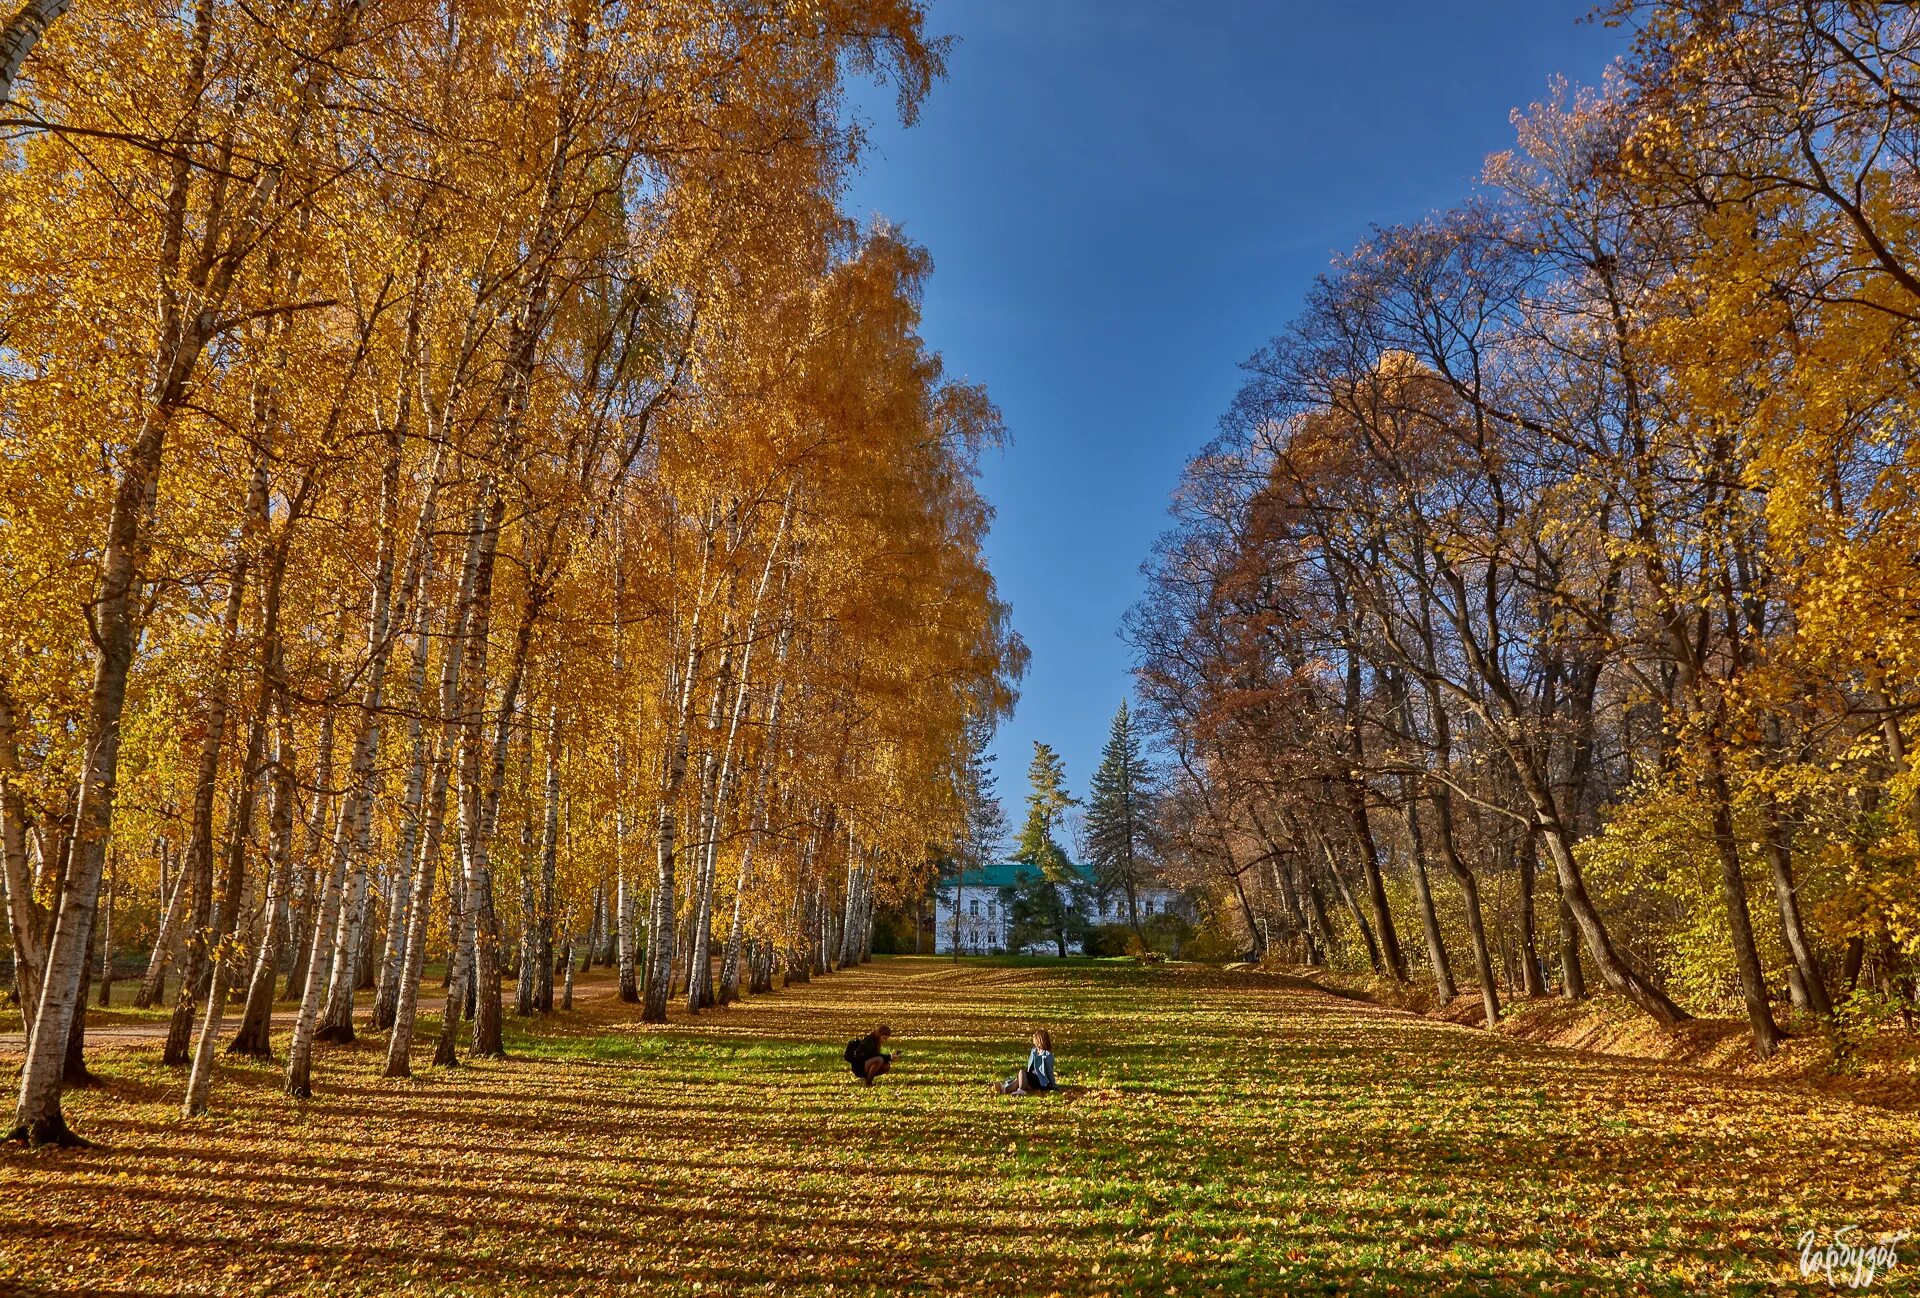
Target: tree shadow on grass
[1228, 1137]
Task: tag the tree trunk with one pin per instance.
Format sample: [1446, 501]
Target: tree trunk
[1792, 926]
[660, 925]
[184, 331]
[849, 938]
[254, 1039]
[525, 970]
[1391, 954]
[343, 973]
[153, 982]
[459, 969]
[527, 965]
[1318, 918]
[305, 876]
[326, 915]
[106, 933]
[730, 955]
[706, 804]
[1573, 980]
[1442, 800]
[1352, 904]
[413, 955]
[625, 940]
[230, 917]
[38, 1118]
[1614, 971]
[1444, 990]
[198, 866]
[351, 827]
[480, 797]
[22, 32]
[27, 920]
[74, 1074]
[1504, 719]
[399, 905]
[1355, 789]
[549, 867]
[420, 916]
[864, 941]
[625, 956]
[1733, 883]
[1531, 983]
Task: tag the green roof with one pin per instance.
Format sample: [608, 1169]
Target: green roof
[1009, 874]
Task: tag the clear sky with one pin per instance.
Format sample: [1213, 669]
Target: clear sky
[1124, 199]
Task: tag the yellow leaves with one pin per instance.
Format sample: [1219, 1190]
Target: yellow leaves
[598, 265]
[588, 1172]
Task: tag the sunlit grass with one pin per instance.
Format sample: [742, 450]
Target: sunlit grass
[1222, 1135]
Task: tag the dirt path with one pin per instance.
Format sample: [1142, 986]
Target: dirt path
[1222, 1136]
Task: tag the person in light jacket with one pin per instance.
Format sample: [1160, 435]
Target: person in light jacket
[1038, 1075]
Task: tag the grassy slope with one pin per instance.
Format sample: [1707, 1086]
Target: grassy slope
[1233, 1136]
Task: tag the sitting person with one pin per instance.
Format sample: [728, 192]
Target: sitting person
[864, 1056]
[1037, 1076]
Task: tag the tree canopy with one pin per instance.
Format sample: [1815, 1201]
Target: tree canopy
[471, 495]
[1564, 537]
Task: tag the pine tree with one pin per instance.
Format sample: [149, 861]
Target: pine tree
[1040, 906]
[1119, 831]
[1040, 913]
[1047, 802]
[986, 819]
[985, 827]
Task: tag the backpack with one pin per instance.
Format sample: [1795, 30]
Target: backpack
[853, 1049]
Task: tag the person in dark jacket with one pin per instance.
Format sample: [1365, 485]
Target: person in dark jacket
[866, 1058]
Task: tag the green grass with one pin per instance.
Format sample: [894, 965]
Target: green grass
[1223, 1134]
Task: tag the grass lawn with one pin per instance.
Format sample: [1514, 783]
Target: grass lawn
[1226, 1134]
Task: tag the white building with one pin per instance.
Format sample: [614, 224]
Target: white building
[975, 910]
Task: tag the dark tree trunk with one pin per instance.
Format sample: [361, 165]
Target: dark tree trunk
[1850, 966]
[1733, 883]
[1443, 985]
[73, 1072]
[153, 983]
[106, 933]
[1573, 979]
[1531, 982]
[1806, 964]
[1353, 906]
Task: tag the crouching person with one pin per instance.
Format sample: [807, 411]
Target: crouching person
[865, 1056]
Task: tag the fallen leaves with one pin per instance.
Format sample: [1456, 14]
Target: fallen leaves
[1248, 1140]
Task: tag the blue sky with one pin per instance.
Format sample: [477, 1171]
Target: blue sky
[1124, 199]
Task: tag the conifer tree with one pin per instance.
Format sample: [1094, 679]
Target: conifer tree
[1119, 831]
[1047, 802]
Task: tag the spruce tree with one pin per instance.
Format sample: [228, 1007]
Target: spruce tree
[986, 823]
[1039, 905]
[1119, 835]
[1047, 802]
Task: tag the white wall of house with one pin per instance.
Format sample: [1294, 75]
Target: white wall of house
[985, 919]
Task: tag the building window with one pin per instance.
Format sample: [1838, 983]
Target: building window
[976, 909]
